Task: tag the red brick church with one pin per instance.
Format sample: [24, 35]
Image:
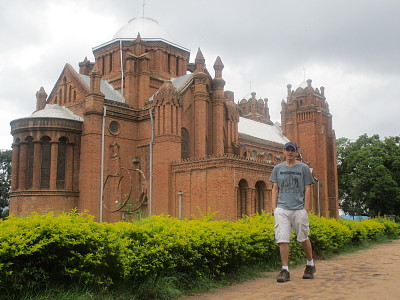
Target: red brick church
[142, 131]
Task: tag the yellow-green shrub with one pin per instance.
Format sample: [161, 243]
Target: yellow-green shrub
[328, 235]
[162, 243]
[359, 232]
[69, 248]
[392, 229]
[72, 248]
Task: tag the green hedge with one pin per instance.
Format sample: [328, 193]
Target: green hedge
[72, 249]
[69, 248]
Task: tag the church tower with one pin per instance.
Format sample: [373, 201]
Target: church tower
[306, 120]
[137, 61]
[256, 110]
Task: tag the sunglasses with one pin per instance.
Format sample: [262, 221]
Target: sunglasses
[290, 150]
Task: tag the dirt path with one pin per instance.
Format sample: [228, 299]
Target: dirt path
[373, 273]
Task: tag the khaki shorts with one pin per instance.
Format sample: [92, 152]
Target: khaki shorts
[285, 220]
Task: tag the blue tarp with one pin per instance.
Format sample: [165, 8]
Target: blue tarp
[355, 218]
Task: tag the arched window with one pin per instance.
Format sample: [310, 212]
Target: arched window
[29, 161]
[45, 163]
[169, 63]
[260, 197]
[65, 88]
[60, 95]
[61, 160]
[253, 154]
[241, 198]
[185, 144]
[270, 156]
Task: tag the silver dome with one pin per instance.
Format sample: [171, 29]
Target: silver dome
[148, 29]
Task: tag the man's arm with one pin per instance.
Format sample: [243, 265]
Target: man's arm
[307, 197]
[275, 191]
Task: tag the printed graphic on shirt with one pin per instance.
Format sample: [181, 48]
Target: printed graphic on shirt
[290, 182]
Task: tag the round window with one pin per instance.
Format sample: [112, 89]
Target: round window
[114, 127]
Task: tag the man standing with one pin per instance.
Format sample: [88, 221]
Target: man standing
[291, 199]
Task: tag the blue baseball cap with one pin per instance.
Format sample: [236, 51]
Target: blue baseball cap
[291, 144]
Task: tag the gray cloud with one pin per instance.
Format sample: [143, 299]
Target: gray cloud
[350, 47]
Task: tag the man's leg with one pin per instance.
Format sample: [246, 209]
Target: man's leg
[307, 249]
[310, 267]
[282, 236]
[284, 251]
[302, 231]
[284, 275]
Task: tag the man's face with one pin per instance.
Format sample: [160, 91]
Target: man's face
[290, 152]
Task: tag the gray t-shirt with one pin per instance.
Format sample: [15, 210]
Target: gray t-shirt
[291, 182]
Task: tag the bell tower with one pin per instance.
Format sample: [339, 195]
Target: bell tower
[306, 120]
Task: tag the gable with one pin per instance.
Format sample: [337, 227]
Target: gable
[69, 88]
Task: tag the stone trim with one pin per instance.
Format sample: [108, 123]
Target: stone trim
[40, 193]
[36, 124]
[224, 160]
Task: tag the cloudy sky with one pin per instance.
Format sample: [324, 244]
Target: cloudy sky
[351, 47]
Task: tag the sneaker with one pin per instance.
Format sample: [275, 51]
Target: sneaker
[283, 276]
[309, 272]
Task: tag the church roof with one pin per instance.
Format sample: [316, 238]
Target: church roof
[149, 30]
[263, 131]
[180, 83]
[107, 89]
[55, 111]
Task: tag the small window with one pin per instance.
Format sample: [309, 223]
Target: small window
[45, 163]
[114, 127]
[61, 163]
[177, 67]
[30, 157]
[242, 198]
[260, 197]
[185, 144]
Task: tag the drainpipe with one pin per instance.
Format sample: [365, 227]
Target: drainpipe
[102, 165]
[318, 200]
[180, 194]
[122, 69]
[151, 163]
[319, 210]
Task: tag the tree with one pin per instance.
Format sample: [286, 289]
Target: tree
[5, 181]
[369, 175]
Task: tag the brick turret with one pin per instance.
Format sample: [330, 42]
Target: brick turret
[231, 123]
[85, 67]
[306, 119]
[218, 108]
[40, 99]
[200, 106]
